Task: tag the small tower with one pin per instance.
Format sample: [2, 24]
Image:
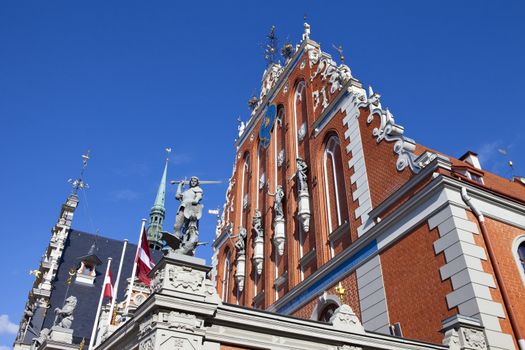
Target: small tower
[157, 213]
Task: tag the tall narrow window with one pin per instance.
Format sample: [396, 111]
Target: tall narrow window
[521, 255]
[226, 278]
[335, 193]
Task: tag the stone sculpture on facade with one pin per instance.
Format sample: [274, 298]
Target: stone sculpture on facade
[186, 228]
[303, 201]
[64, 316]
[279, 236]
[240, 246]
[258, 244]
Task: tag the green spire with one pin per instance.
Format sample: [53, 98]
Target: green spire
[161, 193]
[156, 215]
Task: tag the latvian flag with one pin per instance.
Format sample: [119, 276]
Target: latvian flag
[108, 286]
[143, 259]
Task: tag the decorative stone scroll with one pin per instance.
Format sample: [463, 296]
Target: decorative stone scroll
[389, 131]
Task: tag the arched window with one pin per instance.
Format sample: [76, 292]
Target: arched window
[300, 117]
[521, 255]
[334, 183]
[327, 312]
[518, 250]
[226, 277]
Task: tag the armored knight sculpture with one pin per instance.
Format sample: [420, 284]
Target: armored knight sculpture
[188, 215]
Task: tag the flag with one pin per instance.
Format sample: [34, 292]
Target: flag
[143, 259]
[108, 286]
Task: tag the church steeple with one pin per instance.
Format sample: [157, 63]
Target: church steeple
[158, 211]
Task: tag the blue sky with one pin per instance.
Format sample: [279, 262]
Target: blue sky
[125, 79]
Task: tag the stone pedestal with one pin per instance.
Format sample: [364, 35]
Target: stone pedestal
[240, 272]
[279, 236]
[345, 319]
[303, 211]
[464, 333]
[258, 254]
[63, 335]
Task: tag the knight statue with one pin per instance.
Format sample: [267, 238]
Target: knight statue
[186, 235]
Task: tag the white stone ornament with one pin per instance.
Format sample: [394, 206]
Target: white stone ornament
[240, 272]
[301, 133]
[345, 319]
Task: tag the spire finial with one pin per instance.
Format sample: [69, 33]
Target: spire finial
[306, 33]
[340, 50]
[79, 184]
[271, 46]
[168, 151]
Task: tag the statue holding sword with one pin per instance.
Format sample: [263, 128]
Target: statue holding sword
[186, 228]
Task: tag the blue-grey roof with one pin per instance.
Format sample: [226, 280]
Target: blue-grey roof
[78, 243]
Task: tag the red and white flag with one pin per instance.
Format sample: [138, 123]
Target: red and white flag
[143, 259]
[108, 286]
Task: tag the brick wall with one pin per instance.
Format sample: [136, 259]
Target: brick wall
[414, 290]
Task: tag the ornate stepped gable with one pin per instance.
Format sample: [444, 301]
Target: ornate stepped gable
[365, 180]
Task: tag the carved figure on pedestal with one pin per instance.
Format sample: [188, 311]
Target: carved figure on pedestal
[186, 220]
[278, 202]
[303, 200]
[64, 316]
[258, 243]
[240, 246]
[279, 236]
[190, 206]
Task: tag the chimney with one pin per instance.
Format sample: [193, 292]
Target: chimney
[471, 158]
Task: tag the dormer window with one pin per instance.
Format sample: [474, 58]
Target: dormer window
[470, 173]
[87, 273]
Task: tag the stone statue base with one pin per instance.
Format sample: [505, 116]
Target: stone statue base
[63, 335]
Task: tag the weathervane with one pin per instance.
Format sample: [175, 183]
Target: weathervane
[79, 184]
[271, 45]
[168, 151]
[340, 50]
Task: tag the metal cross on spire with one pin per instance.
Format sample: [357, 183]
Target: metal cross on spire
[271, 47]
[79, 184]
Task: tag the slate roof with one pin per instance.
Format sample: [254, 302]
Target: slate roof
[77, 245]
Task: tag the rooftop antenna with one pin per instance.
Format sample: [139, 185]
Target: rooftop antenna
[79, 184]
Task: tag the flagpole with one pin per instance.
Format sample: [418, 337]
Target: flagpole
[94, 331]
[134, 271]
[115, 288]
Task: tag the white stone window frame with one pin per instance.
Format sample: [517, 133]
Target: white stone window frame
[515, 245]
[329, 151]
[226, 277]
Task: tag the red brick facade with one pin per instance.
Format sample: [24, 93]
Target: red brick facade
[416, 294]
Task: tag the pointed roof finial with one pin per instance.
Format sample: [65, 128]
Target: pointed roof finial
[271, 47]
[370, 91]
[79, 184]
[340, 50]
[161, 192]
[306, 33]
